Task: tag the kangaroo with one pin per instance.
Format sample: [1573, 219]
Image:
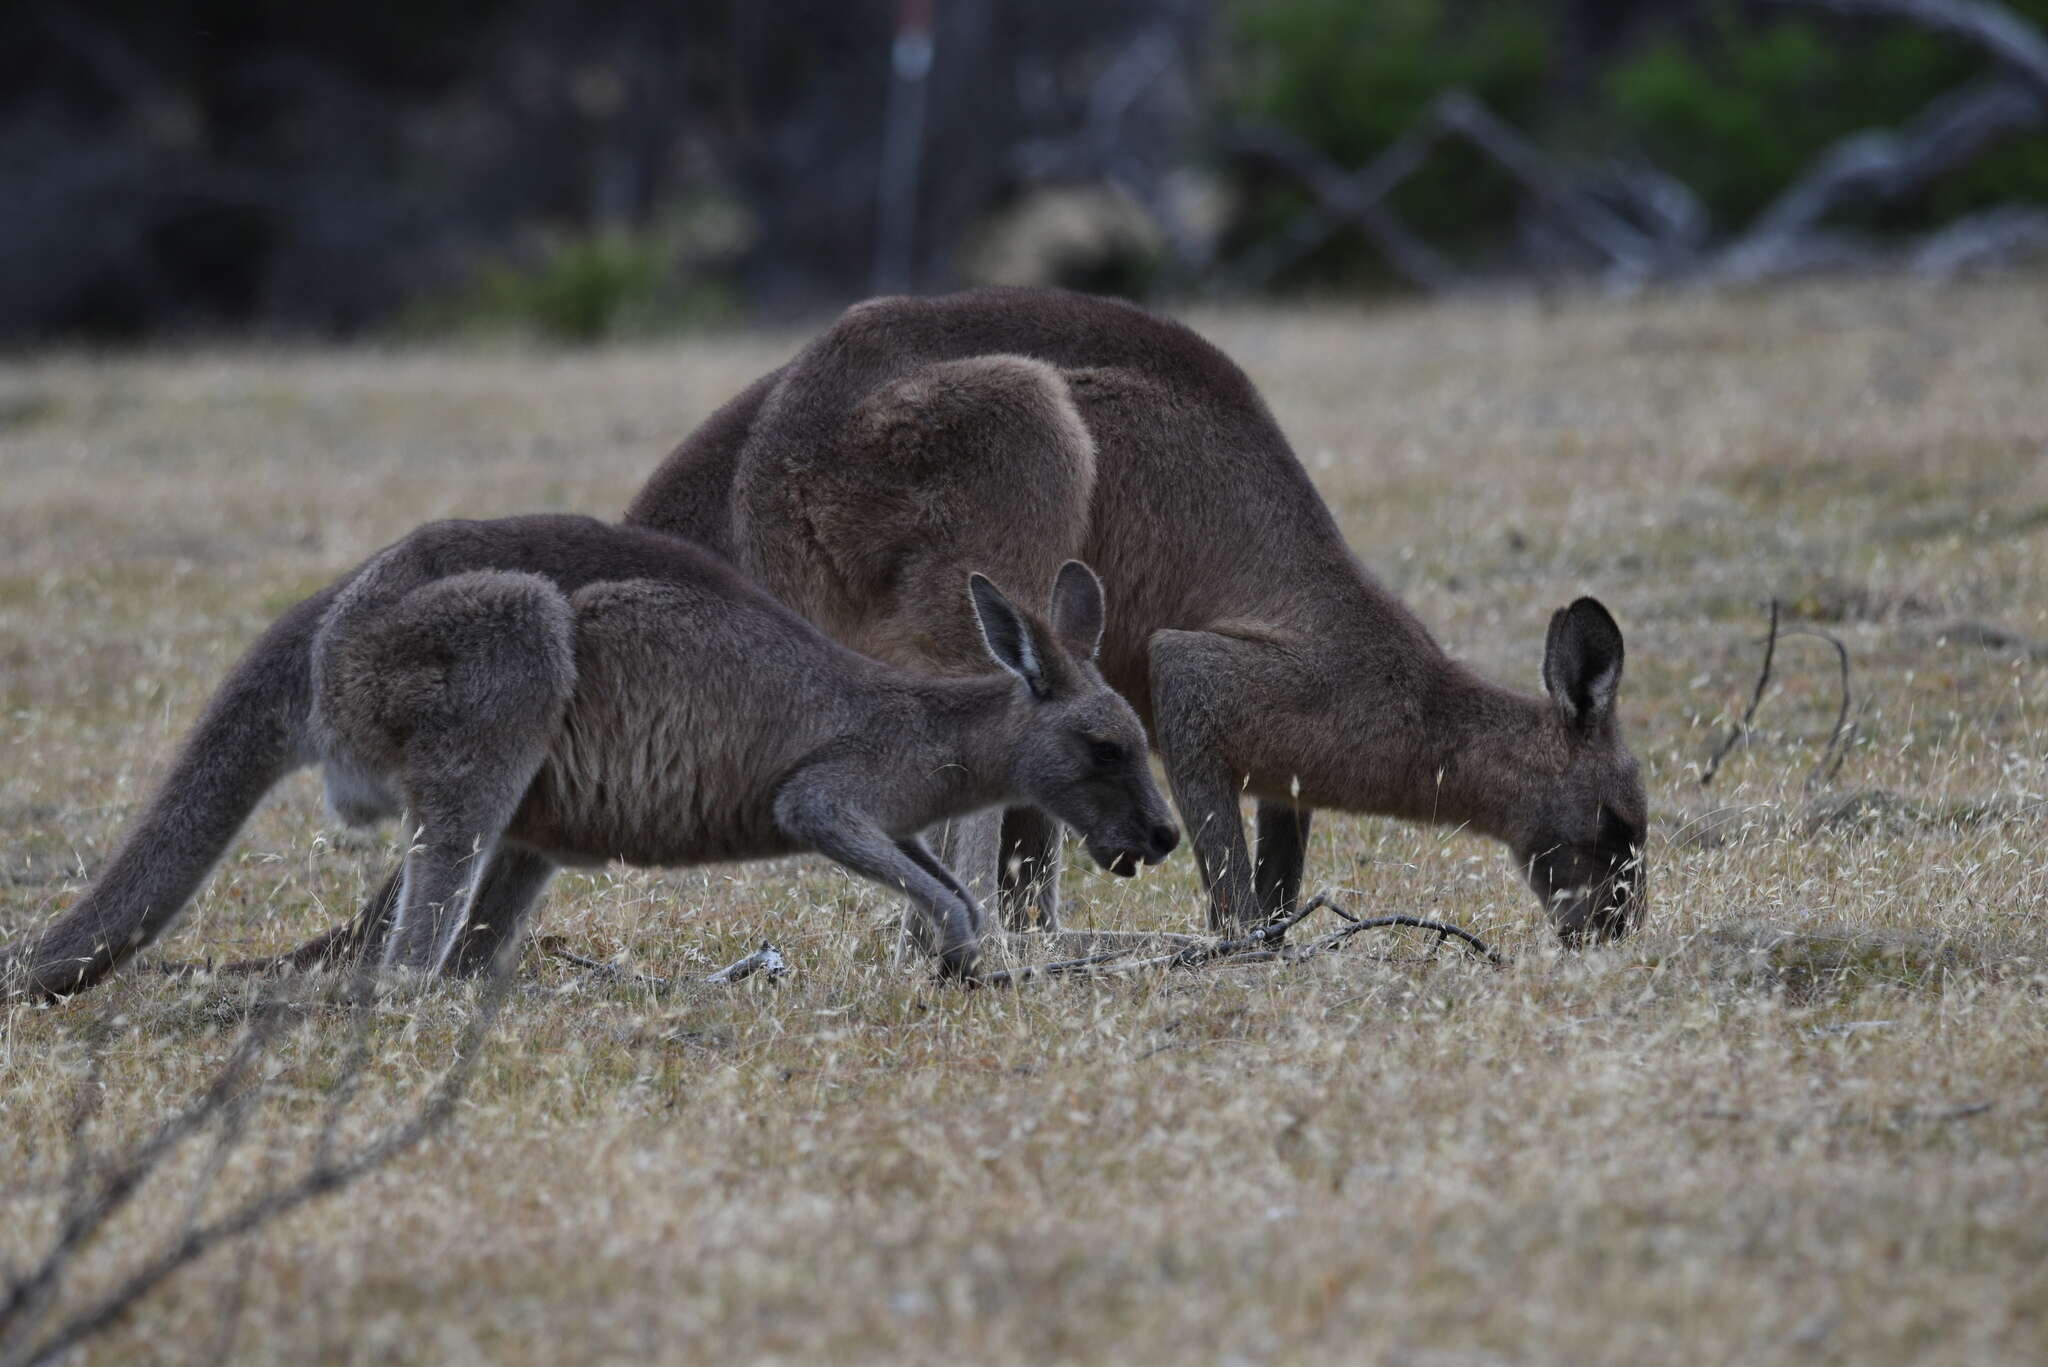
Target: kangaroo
[1015, 428]
[542, 691]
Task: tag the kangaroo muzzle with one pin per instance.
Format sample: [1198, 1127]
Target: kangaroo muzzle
[1157, 840]
[1597, 912]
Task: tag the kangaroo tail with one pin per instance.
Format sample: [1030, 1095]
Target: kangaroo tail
[254, 732]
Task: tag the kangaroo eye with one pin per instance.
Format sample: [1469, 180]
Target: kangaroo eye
[1106, 753]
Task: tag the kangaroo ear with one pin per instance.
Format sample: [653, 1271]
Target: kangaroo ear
[1006, 633]
[1582, 662]
[1077, 609]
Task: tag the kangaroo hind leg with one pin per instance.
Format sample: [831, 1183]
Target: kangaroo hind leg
[460, 687]
[500, 911]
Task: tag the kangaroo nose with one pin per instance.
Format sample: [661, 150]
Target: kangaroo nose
[1164, 838]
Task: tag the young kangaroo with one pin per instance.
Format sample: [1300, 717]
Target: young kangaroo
[542, 691]
[1015, 428]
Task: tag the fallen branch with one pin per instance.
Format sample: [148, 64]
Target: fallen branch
[1266, 944]
[1844, 730]
[1991, 237]
[1361, 196]
[1837, 748]
[1756, 698]
[1879, 165]
[767, 962]
[1343, 197]
[98, 1192]
[1077, 943]
[1444, 931]
[1626, 247]
[1649, 226]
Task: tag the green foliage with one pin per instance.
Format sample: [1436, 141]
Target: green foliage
[1352, 77]
[586, 289]
[1741, 108]
[583, 290]
[1734, 100]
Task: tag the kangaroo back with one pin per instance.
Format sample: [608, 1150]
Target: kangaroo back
[1007, 431]
[254, 731]
[691, 496]
[870, 532]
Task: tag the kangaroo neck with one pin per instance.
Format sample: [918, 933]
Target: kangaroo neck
[1482, 748]
[1416, 734]
[958, 745]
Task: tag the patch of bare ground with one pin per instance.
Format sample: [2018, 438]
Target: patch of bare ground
[1799, 1118]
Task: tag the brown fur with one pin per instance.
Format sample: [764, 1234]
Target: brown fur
[551, 690]
[919, 434]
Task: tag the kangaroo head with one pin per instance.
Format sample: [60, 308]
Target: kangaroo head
[1076, 748]
[1580, 835]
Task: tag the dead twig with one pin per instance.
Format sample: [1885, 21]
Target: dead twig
[1875, 165]
[1844, 731]
[1187, 956]
[1756, 698]
[1644, 225]
[1075, 943]
[1444, 931]
[1837, 748]
[91, 1204]
[767, 962]
[1263, 945]
[226, 1104]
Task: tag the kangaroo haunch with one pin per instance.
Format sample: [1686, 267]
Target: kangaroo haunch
[1012, 429]
[542, 691]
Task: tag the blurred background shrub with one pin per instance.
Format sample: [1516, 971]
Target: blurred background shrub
[598, 168]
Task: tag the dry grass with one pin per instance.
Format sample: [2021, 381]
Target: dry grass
[1799, 1119]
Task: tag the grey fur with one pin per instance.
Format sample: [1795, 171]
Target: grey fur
[1009, 430]
[541, 691]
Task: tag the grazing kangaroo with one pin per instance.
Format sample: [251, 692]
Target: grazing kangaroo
[1012, 429]
[542, 691]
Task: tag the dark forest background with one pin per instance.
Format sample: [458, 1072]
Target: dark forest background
[588, 169]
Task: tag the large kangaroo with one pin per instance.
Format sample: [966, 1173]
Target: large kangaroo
[1015, 428]
[551, 690]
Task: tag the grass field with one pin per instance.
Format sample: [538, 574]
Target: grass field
[1799, 1118]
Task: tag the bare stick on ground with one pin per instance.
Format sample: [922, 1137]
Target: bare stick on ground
[1264, 945]
[766, 962]
[1843, 732]
[1837, 748]
[99, 1190]
[1756, 698]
